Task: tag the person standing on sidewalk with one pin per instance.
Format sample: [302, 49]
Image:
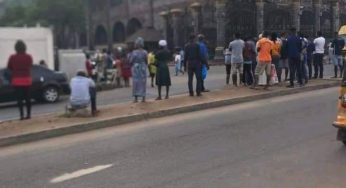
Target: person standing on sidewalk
[294, 47]
[276, 53]
[204, 58]
[138, 59]
[249, 58]
[310, 55]
[264, 49]
[283, 58]
[163, 77]
[320, 43]
[88, 66]
[152, 67]
[338, 44]
[20, 65]
[237, 49]
[304, 54]
[193, 65]
[228, 64]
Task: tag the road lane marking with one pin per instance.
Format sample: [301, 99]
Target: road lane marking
[80, 173]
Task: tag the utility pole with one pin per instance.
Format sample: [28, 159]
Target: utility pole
[108, 23]
[88, 24]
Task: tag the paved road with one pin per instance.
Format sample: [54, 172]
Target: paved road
[216, 80]
[285, 142]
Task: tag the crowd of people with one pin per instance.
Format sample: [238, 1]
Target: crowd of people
[295, 57]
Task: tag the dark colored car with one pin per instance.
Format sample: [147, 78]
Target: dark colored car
[47, 85]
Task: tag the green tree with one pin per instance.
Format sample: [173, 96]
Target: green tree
[67, 17]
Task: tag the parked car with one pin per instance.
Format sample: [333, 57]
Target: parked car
[47, 86]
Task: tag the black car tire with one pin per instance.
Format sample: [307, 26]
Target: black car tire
[50, 94]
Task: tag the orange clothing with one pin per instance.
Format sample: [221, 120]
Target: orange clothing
[276, 49]
[265, 47]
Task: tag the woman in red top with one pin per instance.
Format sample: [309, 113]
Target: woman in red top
[20, 65]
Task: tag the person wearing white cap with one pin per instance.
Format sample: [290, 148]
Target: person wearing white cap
[163, 77]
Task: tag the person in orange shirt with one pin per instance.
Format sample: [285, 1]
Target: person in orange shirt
[264, 49]
[276, 53]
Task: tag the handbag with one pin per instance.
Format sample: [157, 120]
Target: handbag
[204, 71]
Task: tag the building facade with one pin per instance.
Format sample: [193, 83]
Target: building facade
[112, 21]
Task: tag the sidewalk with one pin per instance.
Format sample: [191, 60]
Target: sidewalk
[53, 125]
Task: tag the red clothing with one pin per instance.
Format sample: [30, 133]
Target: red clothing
[125, 69]
[20, 67]
[89, 68]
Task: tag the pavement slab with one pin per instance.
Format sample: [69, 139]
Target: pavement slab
[53, 125]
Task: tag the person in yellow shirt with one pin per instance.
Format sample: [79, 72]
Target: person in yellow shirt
[152, 67]
[276, 49]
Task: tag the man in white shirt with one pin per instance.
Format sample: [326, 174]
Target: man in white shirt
[237, 48]
[320, 43]
[83, 92]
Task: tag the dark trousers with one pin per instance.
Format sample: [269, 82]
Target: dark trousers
[295, 69]
[23, 94]
[228, 69]
[309, 62]
[93, 99]
[248, 77]
[195, 70]
[318, 64]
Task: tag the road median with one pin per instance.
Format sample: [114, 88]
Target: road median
[54, 125]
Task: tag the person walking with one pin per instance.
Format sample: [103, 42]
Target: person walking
[193, 65]
[177, 62]
[228, 64]
[320, 43]
[310, 51]
[283, 59]
[294, 47]
[20, 65]
[237, 49]
[118, 74]
[264, 49]
[163, 77]
[276, 49]
[152, 67]
[125, 69]
[338, 44]
[138, 60]
[204, 58]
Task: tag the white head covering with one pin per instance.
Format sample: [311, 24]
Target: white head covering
[163, 43]
[139, 43]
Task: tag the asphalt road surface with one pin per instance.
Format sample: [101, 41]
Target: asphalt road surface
[216, 80]
[285, 142]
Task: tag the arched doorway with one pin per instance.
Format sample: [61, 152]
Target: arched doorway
[326, 24]
[119, 34]
[100, 35]
[133, 25]
[240, 18]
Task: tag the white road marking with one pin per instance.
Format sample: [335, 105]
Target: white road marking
[79, 173]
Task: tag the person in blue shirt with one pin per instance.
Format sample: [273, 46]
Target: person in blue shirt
[294, 48]
[204, 57]
[338, 44]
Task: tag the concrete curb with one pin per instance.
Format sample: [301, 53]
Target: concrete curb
[79, 128]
